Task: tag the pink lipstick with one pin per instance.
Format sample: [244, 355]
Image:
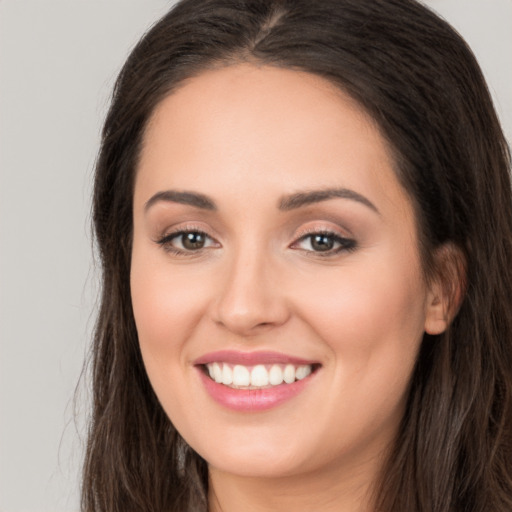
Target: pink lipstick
[254, 381]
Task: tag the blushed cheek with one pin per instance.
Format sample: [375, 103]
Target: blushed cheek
[158, 311]
[367, 313]
[158, 314]
[157, 307]
[165, 310]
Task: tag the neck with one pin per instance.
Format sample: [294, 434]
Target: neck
[329, 490]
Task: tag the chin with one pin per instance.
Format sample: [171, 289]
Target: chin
[256, 456]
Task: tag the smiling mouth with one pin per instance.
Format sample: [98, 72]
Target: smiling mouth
[260, 376]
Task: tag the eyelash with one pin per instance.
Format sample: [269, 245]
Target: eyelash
[166, 241]
[345, 244]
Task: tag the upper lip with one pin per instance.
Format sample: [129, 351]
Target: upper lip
[251, 358]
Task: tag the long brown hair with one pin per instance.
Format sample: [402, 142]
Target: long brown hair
[420, 82]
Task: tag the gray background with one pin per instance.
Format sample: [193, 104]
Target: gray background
[58, 60]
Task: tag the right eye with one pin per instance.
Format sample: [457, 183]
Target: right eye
[182, 242]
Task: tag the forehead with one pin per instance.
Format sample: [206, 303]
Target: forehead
[254, 96]
[280, 127]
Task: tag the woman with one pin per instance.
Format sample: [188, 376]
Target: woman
[303, 211]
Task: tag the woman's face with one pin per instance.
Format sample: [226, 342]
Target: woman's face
[275, 250]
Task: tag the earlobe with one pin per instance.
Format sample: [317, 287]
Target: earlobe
[437, 319]
[447, 288]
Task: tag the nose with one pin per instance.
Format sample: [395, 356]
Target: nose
[251, 299]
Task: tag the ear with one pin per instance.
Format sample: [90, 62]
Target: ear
[447, 287]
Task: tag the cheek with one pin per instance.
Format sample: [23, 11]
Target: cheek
[166, 305]
[383, 295]
[371, 323]
[371, 318]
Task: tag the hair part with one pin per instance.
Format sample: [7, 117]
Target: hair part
[419, 81]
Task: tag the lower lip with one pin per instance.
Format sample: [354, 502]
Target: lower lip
[253, 400]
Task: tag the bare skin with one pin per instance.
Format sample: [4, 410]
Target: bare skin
[335, 279]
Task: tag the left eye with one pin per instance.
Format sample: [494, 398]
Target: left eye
[187, 241]
[324, 243]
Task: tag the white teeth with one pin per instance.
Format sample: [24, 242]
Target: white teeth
[302, 372]
[275, 375]
[241, 376]
[259, 376]
[289, 373]
[227, 375]
[217, 373]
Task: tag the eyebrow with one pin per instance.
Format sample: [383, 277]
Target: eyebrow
[188, 198]
[305, 198]
[290, 202]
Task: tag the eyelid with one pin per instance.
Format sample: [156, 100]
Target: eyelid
[323, 226]
[347, 243]
[169, 235]
[344, 242]
[312, 229]
[175, 234]
[183, 228]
